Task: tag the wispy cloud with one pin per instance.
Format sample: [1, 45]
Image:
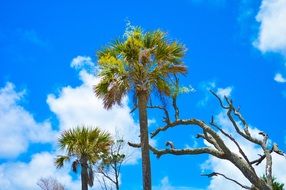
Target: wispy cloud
[246, 21]
[31, 36]
[205, 87]
[224, 92]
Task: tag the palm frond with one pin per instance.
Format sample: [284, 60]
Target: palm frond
[163, 86]
[60, 160]
[83, 141]
[113, 85]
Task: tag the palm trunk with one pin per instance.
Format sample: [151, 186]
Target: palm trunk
[84, 176]
[116, 176]
[146, 166]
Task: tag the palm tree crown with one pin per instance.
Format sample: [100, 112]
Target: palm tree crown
[141, 61]
[86, 146]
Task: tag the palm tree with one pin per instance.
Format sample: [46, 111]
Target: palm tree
[86, 146]
[275, 184]
[140, 62]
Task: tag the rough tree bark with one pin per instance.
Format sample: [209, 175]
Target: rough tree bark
[84, 174]
[146, 166]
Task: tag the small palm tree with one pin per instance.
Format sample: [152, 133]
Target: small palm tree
[86, 146]
[275, 184]
[141, 62]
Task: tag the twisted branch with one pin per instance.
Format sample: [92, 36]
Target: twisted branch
[230, 179]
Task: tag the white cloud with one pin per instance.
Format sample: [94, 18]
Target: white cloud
[78, 105]
[73, 106]
[279, 78]
[80, 61]
[224, 92]
[18, 128]
[272, 33]
[207, 86]
[21, 175]
[251, 150]
[24, 176]
[166, 185]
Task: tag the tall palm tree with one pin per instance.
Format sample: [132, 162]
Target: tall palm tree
[140, 62]
[86, 146]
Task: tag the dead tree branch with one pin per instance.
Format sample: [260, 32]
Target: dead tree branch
[212, 134]
[214, 174]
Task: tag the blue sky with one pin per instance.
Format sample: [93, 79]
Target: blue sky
[47, 51]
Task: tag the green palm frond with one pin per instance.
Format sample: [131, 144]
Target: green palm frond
[83, 141]
[172, 52]
[114, 81]
[163, 86]
[111, 90]
[60, 160]
[85, 145]
[118, 47]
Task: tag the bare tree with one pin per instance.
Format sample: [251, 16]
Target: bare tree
[110, 165]
[50, 183]
[213, 133]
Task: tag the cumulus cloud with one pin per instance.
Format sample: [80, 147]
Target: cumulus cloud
[79, 106]
[22, 175]
[272, 32]
[18, 128]
[72, 106]
[279, 78]
[251, 150]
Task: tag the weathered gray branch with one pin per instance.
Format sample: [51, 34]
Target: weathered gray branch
[234, 141]
[273, 149]
[230, 179]
[187, 151]
[167, 117]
